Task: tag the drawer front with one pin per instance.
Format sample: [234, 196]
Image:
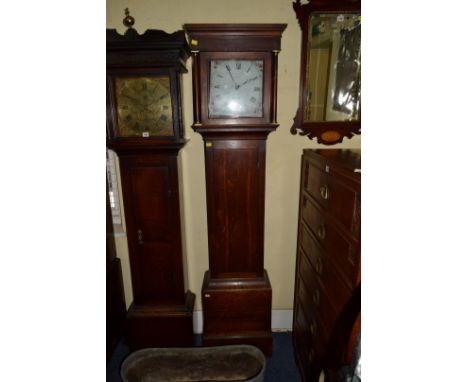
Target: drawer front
[325, 274]
[301, 325]
[306, 358]
[313, 181]
[310, 256]
[339, 199]
[301, 358]
[342, 202]
[338, 250]
[317, 305]
[311, 326]
[311, 215]
[307, 336]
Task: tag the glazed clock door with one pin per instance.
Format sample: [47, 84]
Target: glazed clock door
[152, 213]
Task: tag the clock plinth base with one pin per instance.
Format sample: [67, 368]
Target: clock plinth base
[237, 311]
[160, 325]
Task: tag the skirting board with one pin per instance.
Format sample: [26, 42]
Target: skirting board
[281, 320]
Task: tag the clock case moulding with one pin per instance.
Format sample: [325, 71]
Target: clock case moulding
[162, 311]
[236, 291]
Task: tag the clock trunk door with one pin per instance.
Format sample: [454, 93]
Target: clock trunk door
[152, 213]
[235, 192]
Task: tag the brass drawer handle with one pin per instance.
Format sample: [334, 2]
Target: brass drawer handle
[321, 232]
[140, 236]
[316, 297]
[325, 192]
[319, 265]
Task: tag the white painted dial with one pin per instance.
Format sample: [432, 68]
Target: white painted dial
[236, 88]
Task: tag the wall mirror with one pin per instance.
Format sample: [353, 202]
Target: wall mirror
[330, 82]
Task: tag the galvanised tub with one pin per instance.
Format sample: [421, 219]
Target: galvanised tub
[232, 363]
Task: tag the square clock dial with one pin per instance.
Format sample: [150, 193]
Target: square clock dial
[144, 106]
[236, 88]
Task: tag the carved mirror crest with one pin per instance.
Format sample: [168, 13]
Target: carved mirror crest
[330, 87]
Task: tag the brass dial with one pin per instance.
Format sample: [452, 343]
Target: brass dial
[144, 106]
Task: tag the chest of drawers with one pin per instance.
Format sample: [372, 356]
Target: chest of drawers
[327, 283]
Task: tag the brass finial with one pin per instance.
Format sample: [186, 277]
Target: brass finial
[128, 21]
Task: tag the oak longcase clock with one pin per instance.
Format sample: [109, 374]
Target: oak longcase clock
[145, 129]
[235, 86]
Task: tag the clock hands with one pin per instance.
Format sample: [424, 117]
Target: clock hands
[233, 80]
[131, 98]
[246, 82]
[238, 86]
[146, 100]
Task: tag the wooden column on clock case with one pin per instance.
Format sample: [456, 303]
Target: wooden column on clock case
[162, 310]
[236, 291]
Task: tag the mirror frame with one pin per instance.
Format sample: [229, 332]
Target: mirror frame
[326, 132]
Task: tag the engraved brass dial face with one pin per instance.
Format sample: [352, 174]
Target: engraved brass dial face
[236, 88]
[144, 106]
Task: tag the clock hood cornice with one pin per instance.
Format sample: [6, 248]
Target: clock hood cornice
[153, 47]
[234, 37]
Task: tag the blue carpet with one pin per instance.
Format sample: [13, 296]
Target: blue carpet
[281, 367]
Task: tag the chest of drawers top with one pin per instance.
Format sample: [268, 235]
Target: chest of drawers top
[332, 179]
[337, 162]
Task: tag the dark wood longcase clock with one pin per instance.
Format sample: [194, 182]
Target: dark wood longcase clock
[145, 129]
[235, 85]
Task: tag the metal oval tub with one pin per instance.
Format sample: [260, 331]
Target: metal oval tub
[239, 363]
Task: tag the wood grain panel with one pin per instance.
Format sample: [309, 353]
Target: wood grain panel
[153, 222]
[235, 191]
